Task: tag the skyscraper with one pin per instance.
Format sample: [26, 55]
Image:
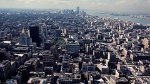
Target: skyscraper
[24, 37]
[35, 34]
[43, 32]
[78, 10]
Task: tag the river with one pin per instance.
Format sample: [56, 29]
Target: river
[125, 18]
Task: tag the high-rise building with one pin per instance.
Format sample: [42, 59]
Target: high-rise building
[4, 70]
[35, 34]
[145, 42]
[78, 10]
[24, 37]
[43, 32]
[72, 46]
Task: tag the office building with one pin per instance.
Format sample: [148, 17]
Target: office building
[24, 37]
[35, 34]
[78, 10]
[4, 70]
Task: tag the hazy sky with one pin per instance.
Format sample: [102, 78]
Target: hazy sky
[142, 6]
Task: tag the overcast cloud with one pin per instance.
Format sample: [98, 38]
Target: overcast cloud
[141, 6]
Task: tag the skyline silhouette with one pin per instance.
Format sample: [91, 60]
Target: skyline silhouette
[127, 6]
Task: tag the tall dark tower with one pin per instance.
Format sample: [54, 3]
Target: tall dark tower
[35, 34]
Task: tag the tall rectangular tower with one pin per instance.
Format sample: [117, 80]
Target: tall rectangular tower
[35, 34]
[78, 10]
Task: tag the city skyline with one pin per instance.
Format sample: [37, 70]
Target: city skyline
[74, 42]
[128, 6]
